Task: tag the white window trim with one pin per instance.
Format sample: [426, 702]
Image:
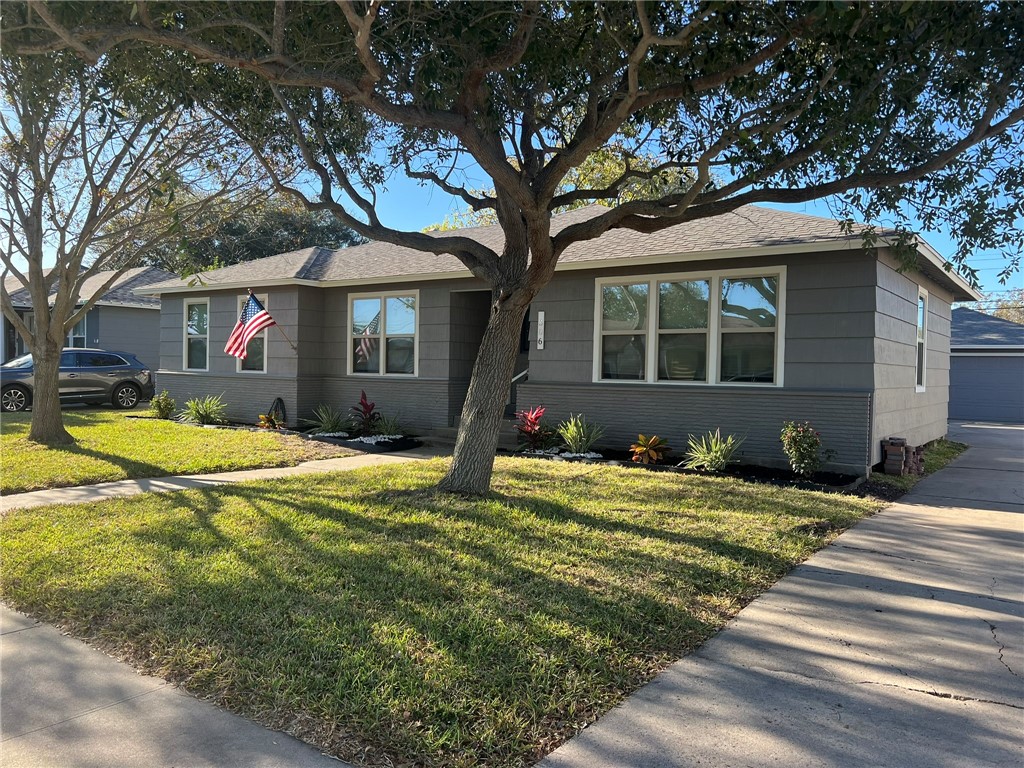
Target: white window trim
[262, 298]
[350, 336]
[922, 293]
[185, 335]
[714, 330]
[84, 335]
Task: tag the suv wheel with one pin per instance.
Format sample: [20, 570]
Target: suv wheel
[14, 399]
[125, 396]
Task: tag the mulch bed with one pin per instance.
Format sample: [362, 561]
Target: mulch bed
[820, 481]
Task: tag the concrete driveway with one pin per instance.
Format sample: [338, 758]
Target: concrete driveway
[902, 644]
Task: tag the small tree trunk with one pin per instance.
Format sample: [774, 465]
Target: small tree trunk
[473, 461]
[47, 420]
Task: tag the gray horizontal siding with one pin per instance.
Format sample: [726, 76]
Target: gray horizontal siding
[829, 319]
[245, 399]
[899, 410]
[283, 305]
[129, 329]
[419, 404]
[675, 413]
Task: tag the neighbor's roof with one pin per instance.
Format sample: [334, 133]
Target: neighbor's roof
[121, 294]
[749, 230]
[971, 328]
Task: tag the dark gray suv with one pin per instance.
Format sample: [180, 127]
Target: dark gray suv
[86, 376]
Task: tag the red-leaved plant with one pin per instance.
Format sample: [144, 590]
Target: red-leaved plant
[534, 432]
[365, 415]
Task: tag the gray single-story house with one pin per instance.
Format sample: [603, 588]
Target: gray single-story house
[121, 319]
[986, 368]
[740, 322]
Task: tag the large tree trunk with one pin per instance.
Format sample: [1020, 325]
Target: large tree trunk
[473, 462]
[47, 419]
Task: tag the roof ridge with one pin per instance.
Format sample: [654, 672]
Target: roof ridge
[316, 252]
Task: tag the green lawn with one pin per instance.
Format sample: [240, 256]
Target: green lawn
[384, 622]
[112, 446]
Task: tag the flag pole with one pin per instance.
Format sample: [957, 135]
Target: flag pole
[296, 349]
[281, 330]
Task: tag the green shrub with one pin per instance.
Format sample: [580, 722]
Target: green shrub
[387, 425]
[578, 435]
[801, 444]
[328, 420]
[204, 410]
[712, 451]
[162, 406]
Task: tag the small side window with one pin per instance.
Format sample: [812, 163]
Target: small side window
[922, 339]
[69, 360]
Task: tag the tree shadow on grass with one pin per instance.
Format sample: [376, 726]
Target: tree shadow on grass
[438, 626]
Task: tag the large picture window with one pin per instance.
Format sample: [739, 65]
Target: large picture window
[197, 335]
[721, 328]
[383, 334]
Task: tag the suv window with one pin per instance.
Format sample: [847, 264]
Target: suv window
[99, 360]
[69, 360]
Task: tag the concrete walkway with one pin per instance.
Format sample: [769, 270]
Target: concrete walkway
[92, 493]
[901, 645]
[64, 704]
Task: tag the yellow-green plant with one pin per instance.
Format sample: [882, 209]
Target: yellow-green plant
[712, 451]
[578, 434]
[204, 410]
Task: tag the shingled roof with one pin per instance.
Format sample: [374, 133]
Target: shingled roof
[121, 294]
[745, 229]
[971, 328]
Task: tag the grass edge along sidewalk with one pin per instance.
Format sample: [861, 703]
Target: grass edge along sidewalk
[381, 621]
[113, 446]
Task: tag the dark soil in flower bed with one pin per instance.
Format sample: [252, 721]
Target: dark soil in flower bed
[830, 481]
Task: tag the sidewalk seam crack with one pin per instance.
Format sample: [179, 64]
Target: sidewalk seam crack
[942, 694]
[87, 712]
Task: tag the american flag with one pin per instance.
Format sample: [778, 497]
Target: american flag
[254, 318]
[368, 344]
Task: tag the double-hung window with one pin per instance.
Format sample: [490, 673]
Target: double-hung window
[922, 337]
[718, 328]
[256, 350]
[383, 333]
[76, 337]
[197, 335]
[749, 314]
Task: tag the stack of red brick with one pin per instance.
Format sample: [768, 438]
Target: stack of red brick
[902, 459]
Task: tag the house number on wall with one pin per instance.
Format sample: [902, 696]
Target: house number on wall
[540, 330]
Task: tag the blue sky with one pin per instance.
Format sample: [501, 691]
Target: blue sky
[411, 206]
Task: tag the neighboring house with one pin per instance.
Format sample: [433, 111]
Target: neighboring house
[740, 322]
[986, 368]
[120, 320]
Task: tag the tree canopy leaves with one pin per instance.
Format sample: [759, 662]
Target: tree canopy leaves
[239, 230]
